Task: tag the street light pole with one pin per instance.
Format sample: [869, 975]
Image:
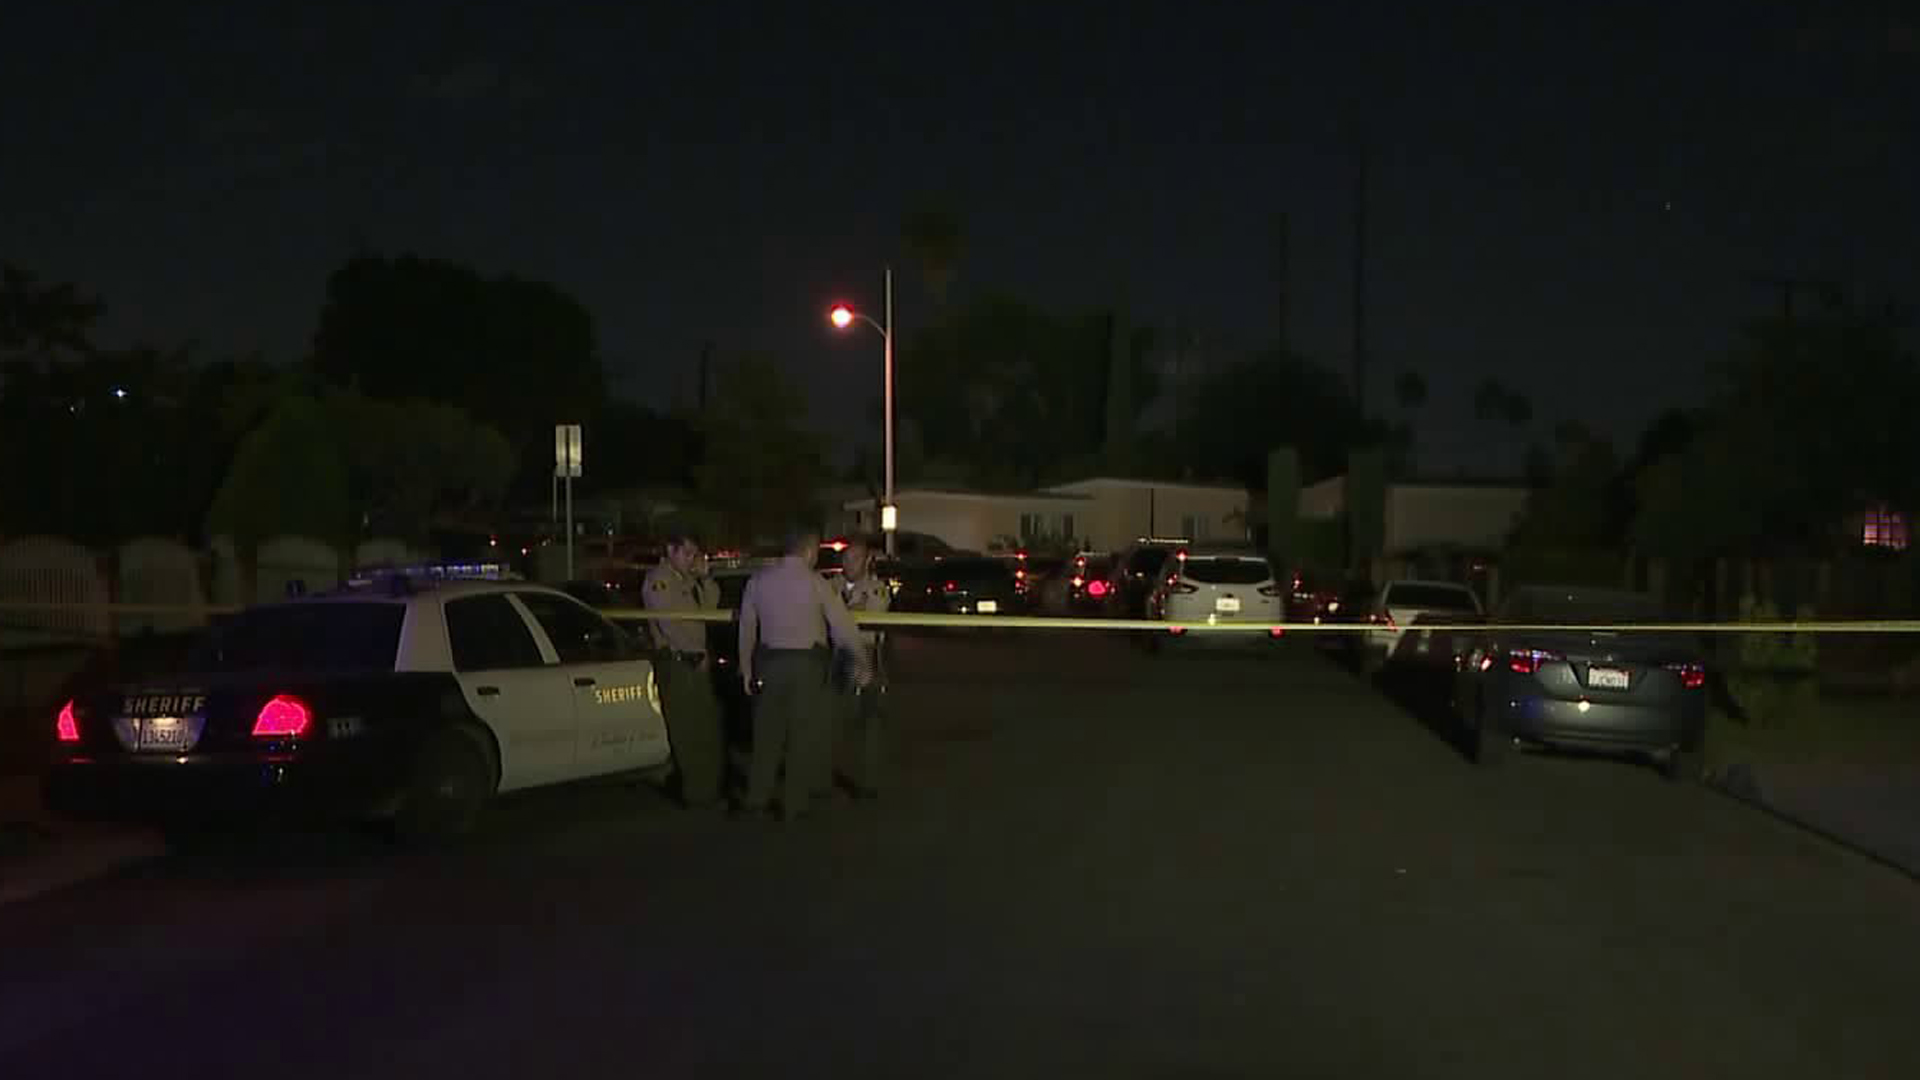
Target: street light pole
[842, 316]
[886, 335]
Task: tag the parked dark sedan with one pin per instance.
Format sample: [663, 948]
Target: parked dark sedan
[1605, 689]
[960, 586]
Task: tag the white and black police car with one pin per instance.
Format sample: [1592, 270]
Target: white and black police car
[409, 697]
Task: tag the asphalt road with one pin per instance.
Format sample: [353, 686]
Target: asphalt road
[1090, 864]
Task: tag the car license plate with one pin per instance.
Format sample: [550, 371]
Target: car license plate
[1607, 678]
[987, 607]
[165, 733]
[1226, 605]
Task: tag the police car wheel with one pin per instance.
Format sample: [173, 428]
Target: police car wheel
[450, 785]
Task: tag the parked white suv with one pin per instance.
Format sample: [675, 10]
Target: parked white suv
[1204, 584]
[1396, 607]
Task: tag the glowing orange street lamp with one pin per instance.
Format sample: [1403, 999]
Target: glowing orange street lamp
[842, 317]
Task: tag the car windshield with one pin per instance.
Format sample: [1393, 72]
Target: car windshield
[1416, 595]
[1227, 570]
[1549, 605]
[304, 637]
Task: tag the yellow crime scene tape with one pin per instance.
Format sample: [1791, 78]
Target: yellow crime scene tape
[1049, 622]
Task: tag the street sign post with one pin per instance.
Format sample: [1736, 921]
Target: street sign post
[567, 457]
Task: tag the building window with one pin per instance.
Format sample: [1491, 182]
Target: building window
[1885, 528]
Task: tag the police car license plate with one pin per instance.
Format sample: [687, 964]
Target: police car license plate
[988, 607]
[165, 733]
[1227, 605]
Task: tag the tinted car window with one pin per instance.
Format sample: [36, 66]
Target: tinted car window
[579, 635]
[1217, 571]
[972, 570]
[305, 637]
[485, 633]
[1583, 606]
[1429, 596]
[1147, 561]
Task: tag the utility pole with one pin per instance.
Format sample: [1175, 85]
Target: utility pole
[1360, 277]
[1283, 295]
[706, 368]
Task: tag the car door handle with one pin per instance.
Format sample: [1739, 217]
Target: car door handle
[488, 691]
[583, 680]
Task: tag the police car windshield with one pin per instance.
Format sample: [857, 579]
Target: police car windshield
[304, 637]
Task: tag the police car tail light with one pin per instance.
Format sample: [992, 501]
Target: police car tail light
[283, 717]
[67, 728]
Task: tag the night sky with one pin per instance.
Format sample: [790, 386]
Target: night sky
[1578, 203]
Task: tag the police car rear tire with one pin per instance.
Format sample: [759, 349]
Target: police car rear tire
[451, 784]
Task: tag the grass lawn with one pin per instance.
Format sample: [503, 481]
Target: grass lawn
[1841, 730]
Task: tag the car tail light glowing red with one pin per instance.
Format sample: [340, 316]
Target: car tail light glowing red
[1528, 661]
[951, 585]
[67, 728]
[1176, 631]
[1277, 631]
[1096, 588]
[1692, 676]
[284, 717]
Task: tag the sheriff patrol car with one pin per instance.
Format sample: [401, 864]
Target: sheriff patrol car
[401, 697]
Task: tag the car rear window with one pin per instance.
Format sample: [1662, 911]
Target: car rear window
[1553, 606]
[1429, 596]
[1147, 561]
[304, 637]
[972, 570]
[1216, 570]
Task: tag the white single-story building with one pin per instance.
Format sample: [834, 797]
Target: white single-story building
[1102, 513]
[1421, 514]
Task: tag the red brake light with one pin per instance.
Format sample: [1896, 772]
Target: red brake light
[1692, 676]
[1277, 631]
[285, 717]
[66, 727]
[952, 585]
[1096, 588]
[1528, 661]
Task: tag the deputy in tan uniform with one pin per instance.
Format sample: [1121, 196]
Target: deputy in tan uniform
[789, 617]
[687, 698]
[863, 693]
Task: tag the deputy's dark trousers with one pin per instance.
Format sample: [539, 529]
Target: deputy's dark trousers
[790, 723]
[692, 711]
[863, 734]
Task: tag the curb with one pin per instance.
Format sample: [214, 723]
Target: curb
[39, 855]
[1742, 784]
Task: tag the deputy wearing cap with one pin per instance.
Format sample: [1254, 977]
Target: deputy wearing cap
[687, 698]
[788, 618]
[863, 690]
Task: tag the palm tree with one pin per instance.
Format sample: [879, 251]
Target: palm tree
[933, 236]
